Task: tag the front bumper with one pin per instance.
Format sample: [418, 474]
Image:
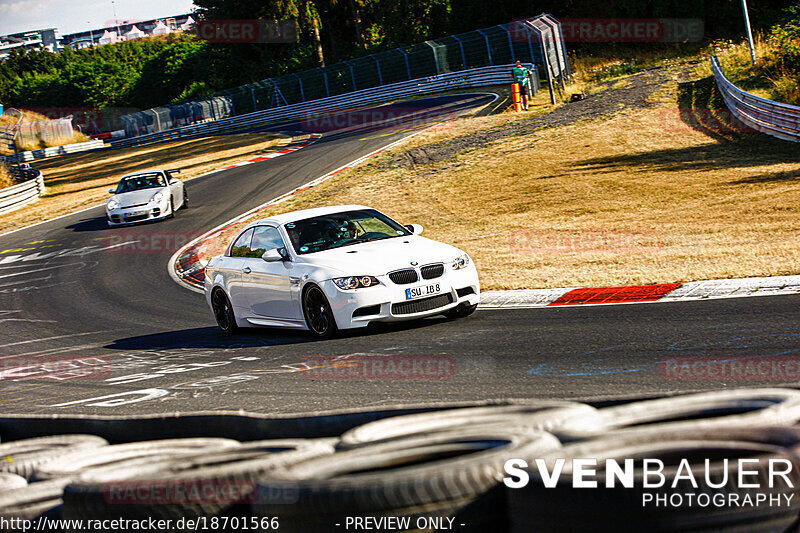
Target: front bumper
[388, 303]
[133, 215]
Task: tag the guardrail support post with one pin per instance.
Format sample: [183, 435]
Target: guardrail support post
[488, 48]
[253, 94]
[435, 56]
[408, 67]
[463, 55]
[325, 78]
[352, 75]
[378, 66]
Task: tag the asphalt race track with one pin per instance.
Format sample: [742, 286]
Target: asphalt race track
[88, 328]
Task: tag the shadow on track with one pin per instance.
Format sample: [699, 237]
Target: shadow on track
[212, 337]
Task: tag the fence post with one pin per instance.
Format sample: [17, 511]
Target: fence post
[463, 55]
[352, 74]
[405, 56]
[510, 44]
[488, 48]
[435, 56]
[325, 77]
[253, 94]
[378, 66]
[300, 81]
[233, 107]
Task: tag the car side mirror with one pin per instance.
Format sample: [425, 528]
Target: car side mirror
[272, 256]
[112, 191]
[416, 229]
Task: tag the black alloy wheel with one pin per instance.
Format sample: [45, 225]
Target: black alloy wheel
[318, 313]
[223, 312]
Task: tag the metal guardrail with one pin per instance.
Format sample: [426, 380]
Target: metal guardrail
[12, 198]
[538, 40]
[495, 75]
[767, 116]
[24, 157]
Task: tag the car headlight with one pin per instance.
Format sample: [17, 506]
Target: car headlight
[157, 198]
[356, 282]
[112, 205]
[462, 261]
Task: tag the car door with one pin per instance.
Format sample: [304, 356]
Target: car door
[232, 265]
[269, 283]
[175, 190]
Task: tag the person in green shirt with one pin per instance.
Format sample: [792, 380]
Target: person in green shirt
[520, 75]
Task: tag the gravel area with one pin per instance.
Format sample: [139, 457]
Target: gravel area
[611, 100]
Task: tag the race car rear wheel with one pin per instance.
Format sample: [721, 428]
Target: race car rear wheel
[185, 199]
[223, 312]
[318, 313]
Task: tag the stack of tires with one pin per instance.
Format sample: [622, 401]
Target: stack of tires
[443, 470]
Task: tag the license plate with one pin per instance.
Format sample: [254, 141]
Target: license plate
[135, 214]
[424, 290]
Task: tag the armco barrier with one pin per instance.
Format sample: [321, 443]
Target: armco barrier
[538, 40]
[479, 77]
[12, 198]
[767, 116]
[24, 157]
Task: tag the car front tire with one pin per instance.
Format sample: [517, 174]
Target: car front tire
[223, 312]
[318, 313]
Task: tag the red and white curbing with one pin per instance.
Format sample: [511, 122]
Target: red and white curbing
[666, 292]
[291, 147]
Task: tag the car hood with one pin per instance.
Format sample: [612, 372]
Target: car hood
[136, 197]
[380, 257]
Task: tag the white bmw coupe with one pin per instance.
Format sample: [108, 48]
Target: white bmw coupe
[336, 268]
[145, 196]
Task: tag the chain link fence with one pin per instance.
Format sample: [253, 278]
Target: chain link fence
[537, 40]
[41, 133]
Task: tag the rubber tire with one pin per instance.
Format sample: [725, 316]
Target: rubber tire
[566, 508]
[185, 204]
[461, 311]
[689, 413]
[240, 468]
[9, 481]
[331, 330]
[76, 463]
[232, 328]
[452, 475]
[171, 208]
[33, 500]
[543, 415]
[23, 456]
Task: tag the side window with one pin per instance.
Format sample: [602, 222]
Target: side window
[241, 248]
[265, 238]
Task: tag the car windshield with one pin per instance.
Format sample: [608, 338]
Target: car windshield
[342, 229]
[141, 181]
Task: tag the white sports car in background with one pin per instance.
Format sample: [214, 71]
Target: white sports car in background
[336, 268]
[146, 195]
